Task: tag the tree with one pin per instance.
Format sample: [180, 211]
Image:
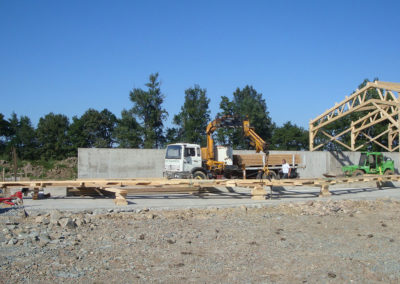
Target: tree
[290, 137]
[127, 133]
[52, 136]
[4, 133]
[93, 129]
[172, 135]
[147, 107]
[225, 136]
[76, 134]
[194, 115]
[246, 102]
[21, 135]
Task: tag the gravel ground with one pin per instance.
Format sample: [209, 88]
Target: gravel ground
[310, 242]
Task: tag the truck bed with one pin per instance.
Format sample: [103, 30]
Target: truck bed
[256, 160]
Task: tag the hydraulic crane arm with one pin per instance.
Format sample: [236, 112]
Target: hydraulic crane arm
[220, 122]
[233, 122]
[255, 140]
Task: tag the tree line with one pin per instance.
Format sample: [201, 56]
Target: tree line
[142, 125]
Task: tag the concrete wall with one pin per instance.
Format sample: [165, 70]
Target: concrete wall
[315, 164]
[120, 163]
[136, 163]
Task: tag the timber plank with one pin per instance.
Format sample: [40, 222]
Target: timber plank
[257, 159]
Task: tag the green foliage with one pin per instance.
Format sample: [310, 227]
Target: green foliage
[246, 102]
[22, 136]
[4, 133]
[289, 137]
[127, 134]
[93, 129]
[52, 135]
[147, 107]
[76, 134]
[194, 115]
[172, 135]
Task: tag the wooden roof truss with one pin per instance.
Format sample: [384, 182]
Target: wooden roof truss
[385, 108]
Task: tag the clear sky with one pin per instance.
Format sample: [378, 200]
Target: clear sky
[303, 56]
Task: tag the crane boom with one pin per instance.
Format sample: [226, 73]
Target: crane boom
[230, 122]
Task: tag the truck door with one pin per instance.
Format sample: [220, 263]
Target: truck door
[197, 159]
[189, 158]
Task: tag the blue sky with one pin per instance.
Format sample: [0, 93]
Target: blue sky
[303, 56]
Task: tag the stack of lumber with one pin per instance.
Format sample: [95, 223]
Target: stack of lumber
[257, 159]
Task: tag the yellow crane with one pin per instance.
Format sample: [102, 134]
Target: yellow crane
[231, 122]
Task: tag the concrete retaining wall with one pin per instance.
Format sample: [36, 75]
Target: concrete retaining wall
[136, 163]
[120, 163]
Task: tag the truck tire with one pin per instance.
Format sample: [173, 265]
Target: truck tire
[357, 173]
[388, 172]
[199, 175]
[271, 175]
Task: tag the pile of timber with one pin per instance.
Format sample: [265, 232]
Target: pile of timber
[254, 160]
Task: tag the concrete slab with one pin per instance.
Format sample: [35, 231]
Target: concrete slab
[226, 197]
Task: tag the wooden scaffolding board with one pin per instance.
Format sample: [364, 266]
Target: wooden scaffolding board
[119, 189]
[384, 109]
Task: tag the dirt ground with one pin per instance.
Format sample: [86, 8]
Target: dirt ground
[310, 242]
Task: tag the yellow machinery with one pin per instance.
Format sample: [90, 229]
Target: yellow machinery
[230, 122]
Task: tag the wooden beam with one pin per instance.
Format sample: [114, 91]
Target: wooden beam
[387, 105]
[386, 114]
[336, 140]
[376, 142]
[386, 85]
[348, 99]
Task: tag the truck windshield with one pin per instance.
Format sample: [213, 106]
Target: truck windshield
[173, 152]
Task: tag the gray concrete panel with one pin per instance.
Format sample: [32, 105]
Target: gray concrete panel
[144, 163]
[120, 163]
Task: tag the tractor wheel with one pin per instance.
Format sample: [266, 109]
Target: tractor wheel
[358, 173]
[388, 172]
[199, 175]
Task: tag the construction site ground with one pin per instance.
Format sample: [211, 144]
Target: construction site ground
[353, 236]
[223, 197]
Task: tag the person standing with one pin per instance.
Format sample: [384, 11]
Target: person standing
[286, 169]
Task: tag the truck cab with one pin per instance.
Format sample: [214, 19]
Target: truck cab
[183, 160]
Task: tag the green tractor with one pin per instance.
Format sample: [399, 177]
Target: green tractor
[370, 163]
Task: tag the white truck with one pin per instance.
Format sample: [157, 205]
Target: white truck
[184, 160]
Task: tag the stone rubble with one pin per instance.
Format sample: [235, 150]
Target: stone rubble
[341, 240]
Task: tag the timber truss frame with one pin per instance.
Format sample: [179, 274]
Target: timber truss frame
[385, 109]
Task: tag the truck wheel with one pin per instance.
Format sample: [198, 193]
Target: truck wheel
[389, 172]
[271, 175]
[199, 175]
[358, 173]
